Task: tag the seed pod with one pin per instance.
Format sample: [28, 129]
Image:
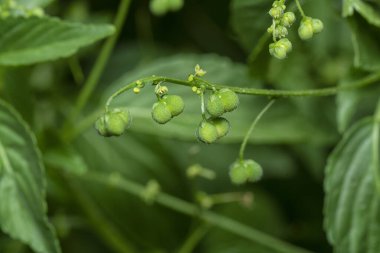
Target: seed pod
[276, 12]
[207, 132]
[222, 126]
[215, 106]
[174, 103]
[161, 113]
[159, 7]
[306, 31]
[288, 19]
[229, 98]
[113, 123]
[243, 171]
[286, 43]
[317, 25]
[278, 50]
[175, 5]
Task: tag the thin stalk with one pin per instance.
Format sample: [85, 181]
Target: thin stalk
[101, 61]
[202, 95]
[256, 92]
[300, 8]
[179, 205]
[254, 123]
[193, 240]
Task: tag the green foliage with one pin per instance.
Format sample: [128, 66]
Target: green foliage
[22, 42]
[23, 185]
[352, 188]
[159, 188]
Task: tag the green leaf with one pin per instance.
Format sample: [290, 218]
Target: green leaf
[355, 104]
[367, 11]
[276, 127]
[22, 185]
[366, 46]
[31, 3]
[250, 20]
[27, 41]
[352, 203]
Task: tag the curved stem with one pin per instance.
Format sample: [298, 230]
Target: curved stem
[202, 95]
[101, 61]
[256, 92]
[181, 206]
[254, 123]
[300, 8]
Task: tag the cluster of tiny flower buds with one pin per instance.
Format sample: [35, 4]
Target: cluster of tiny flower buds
[10, 8]
[281, 21]
[198, 72]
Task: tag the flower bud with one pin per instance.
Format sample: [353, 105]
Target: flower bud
[317, 25]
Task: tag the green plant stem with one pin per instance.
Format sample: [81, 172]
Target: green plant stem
[193, 240]
[179, 205]
[249, 132]
[101, 61]
[300, 8]
[253, 91]
[109, 233]
[202, 95]
[375, 147]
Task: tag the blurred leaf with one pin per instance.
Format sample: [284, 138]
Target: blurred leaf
[250, 20]
[27, 41]
[366, 46]
[369, 12]
[354, 104]
[22, 185]
[352, 206]
[31, 3]
[277, 126]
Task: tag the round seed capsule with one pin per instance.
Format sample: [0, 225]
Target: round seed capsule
[161, 113]
[317, 25]
[222, 126]
[215, 106]
[306, 31]
[207, 132]
[174, 103]
[229, 99]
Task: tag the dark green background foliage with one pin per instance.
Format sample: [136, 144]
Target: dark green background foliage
[321, 184]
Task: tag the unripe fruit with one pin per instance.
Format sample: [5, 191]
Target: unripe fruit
[161, 113]
[275, 12]
[207, 132]
[278, 50]
[288, 19]
[222, 126]
[254, 170]
[317, 25]
[159, 7]
[215, 106]
[175, 5]
[113, 123]
[286, 43]
[174, 103]
[280, 31]
[306, 31]
[243, 171]
[229, 99]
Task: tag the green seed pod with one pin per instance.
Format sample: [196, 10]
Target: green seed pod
[278, 50]
[161, 113]
[317, 25]
[100, 126]
[243, 171]
[229, 98]
[175, 5]
[280, 31]
[222, 126]
[276, 12]
[215, 105]
[288, 19]
[237, 173]
[286, 43]
[254, 170]
[113, 123]
[207, 132]
[174, 103]
[305, 31]
[159, 7]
